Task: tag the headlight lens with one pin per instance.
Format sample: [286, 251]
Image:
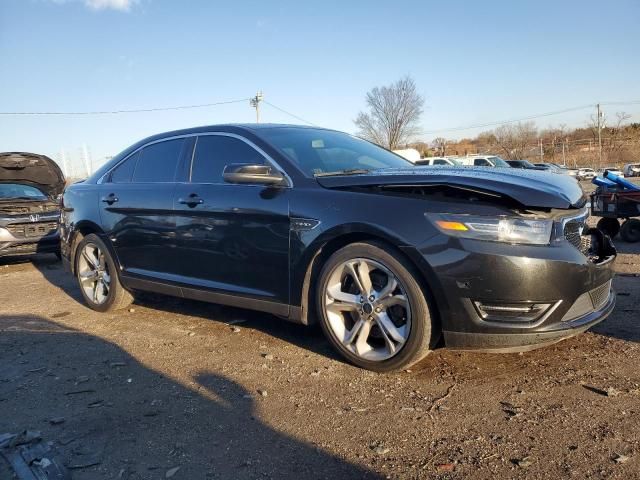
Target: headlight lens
[529, 231]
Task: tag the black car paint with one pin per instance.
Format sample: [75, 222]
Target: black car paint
[529, 188]
[260, 247]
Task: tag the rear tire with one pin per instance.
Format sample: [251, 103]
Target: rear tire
[608, 225]
[97, 276]
[372, 308]
[630, 230]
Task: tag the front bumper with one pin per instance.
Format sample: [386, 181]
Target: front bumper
[464, 273]
[11, 245]
[529, 340]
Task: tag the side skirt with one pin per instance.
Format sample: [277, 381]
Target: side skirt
[279, 309]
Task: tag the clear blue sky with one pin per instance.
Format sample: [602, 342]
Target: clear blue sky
[473, 61]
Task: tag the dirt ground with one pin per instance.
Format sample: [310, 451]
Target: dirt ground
[186, 390]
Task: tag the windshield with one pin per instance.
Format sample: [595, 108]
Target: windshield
[498, 162]
[317, 151]
[17, 190]
[455, 161]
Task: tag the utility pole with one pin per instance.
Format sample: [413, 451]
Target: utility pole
[599, 115]
[564, 159]
[255, 103]
[65, 168]
[86, 158]
[541, 152]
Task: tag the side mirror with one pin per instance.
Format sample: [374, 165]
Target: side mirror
[255, 174]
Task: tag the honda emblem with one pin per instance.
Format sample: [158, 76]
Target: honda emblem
[34, 217]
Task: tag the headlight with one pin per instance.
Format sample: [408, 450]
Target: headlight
[530, 231]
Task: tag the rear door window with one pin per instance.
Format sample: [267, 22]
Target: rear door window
[214, 152]
[123, 172]
[158, 162]
[440, 162]
[481, 162]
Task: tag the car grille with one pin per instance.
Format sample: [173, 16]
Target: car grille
[20, 248]
[573, 232]
[27, 230]
[600, 295]
[588, 302]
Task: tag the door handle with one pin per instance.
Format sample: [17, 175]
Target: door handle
[110, 199]
[192, 200]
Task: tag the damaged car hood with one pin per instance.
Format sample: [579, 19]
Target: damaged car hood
[32, 169]
[529, 188]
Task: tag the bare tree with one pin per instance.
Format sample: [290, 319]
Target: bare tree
[515, 139]
[616, 131]
[440, 146]
[393, 115]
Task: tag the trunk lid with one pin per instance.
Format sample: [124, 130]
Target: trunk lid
[528, 187]
[32, 169]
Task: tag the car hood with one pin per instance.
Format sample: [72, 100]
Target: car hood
[32, 169]
[528, 187]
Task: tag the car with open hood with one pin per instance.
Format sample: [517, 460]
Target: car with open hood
[314, 225]
[30, 185]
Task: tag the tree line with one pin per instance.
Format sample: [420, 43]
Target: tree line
[393, 115]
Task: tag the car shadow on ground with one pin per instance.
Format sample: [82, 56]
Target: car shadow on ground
[624, 322]
[105, 410]
[306, 337]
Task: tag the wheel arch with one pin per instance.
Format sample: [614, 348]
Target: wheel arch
[81, 230]
[331, 242]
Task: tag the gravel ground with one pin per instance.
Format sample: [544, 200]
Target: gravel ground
[186, 390]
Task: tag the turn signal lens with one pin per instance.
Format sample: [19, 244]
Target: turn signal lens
[451, 225]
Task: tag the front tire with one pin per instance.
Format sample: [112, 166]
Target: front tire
[372, 308]
[630, 230]
[97, 276]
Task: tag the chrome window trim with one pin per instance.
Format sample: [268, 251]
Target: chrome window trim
[267, 157]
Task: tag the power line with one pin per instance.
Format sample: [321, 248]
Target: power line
[140, 110]
[529, 117]
[513, 120]
[290, 114]
[634, 102]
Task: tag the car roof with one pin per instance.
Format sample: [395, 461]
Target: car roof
[228, 127]
[240, 126]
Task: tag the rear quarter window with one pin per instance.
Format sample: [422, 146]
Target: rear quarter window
[123, 172]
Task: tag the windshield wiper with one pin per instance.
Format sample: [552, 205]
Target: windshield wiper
[348, 171]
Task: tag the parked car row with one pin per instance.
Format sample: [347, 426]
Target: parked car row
[314, 225]
[582, 173]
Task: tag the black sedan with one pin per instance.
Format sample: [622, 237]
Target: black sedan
[315, 225]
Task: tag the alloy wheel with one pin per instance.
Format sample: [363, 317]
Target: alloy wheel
[93, 273]
[367, 309]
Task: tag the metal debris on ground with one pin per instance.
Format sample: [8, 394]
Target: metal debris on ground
[30, 458]
[171, 472]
